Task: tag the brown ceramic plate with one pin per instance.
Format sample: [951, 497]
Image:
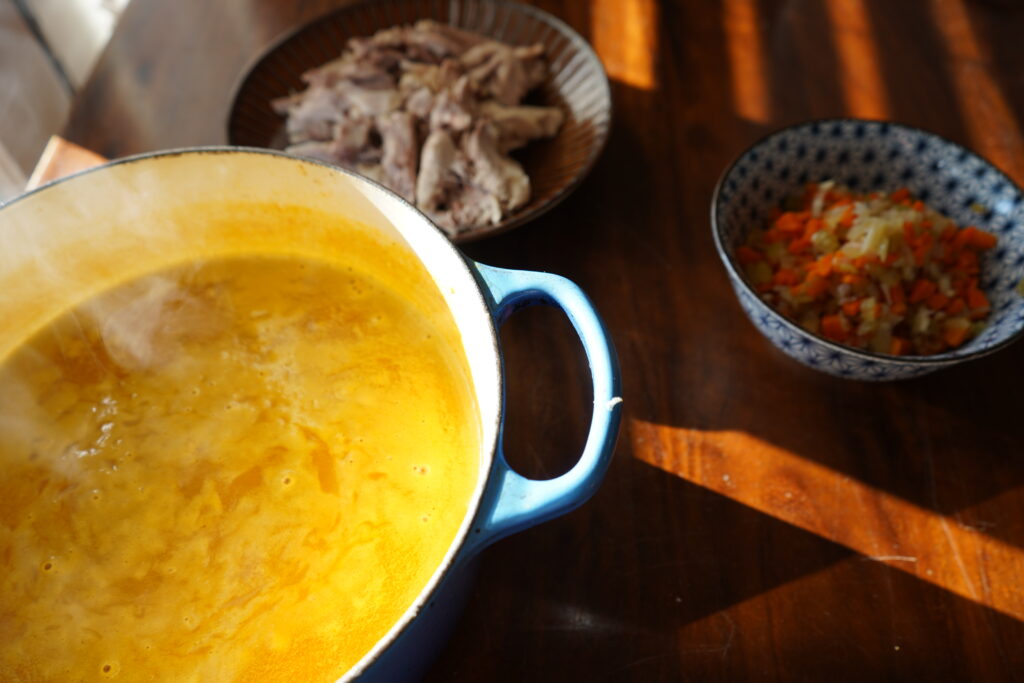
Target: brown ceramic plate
[576, 82]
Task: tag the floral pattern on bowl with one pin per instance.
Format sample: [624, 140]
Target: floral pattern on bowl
[868, 156]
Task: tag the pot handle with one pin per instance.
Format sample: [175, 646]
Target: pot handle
[518, 502]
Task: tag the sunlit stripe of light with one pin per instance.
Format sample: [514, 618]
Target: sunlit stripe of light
[625, 35]
[882, 527]
[750, 87]
[860, 73]
[989, 120]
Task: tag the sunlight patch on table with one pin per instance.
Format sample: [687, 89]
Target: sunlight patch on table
[747, 60]
[880, 526]
[625, 35]
[860, 73]
[986, 113]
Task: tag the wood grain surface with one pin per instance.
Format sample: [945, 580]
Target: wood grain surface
[761, 521]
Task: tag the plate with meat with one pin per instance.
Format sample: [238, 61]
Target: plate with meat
[482, 113]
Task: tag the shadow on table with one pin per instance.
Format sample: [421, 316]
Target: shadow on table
[684, 584]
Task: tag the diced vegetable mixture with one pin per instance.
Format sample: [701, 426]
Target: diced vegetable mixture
[881, 272]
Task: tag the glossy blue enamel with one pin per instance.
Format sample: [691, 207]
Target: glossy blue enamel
[513, 502]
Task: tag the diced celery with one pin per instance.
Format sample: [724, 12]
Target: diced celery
[868, 309]
[946, 285]
[824, 242]
[874, 240]
[922, 321]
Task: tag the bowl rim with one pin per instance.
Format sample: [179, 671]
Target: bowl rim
[514, 220]
[935, 360]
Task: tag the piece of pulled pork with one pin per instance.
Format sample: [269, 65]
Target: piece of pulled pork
[432, 112]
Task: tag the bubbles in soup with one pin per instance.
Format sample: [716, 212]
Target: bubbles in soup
[210, 474]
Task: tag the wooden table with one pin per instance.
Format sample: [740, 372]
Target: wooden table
[761, 521]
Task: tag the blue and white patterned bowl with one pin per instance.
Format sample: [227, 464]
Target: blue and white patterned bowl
[868, 156]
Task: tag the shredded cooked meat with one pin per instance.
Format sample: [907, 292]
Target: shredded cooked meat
[398, 130]
[436, 178]
[432, 112]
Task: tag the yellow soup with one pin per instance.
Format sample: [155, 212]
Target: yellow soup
[245, 468]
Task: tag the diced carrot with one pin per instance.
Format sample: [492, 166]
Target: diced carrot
[899, 346]
[921, 290]
[799, 245]
[976, 299]
[832, 327]
[896, 293]
[956, 306]
[791, 222]
[897, 300]
[747, 255]
[785, 276]
[960, 239]
[854, 279]
[980, 239]
[955, 334]
[823, 266]
[945, 255]
[967, 262]
[814, 281]
[924, 245]
[846, 220]
[900, 195]
[937, 301]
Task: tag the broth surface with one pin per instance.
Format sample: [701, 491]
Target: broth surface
[241, 469]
